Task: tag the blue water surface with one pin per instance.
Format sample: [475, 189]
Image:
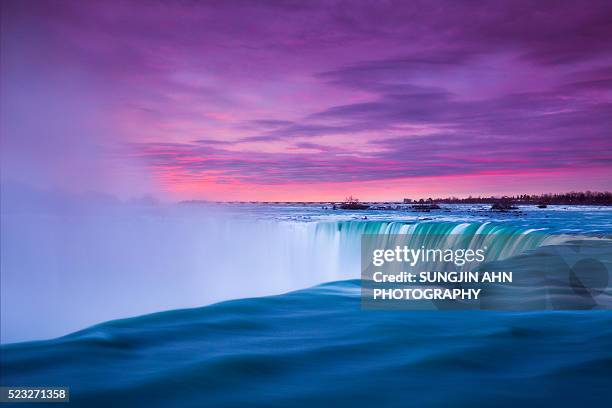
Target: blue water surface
[317, 347]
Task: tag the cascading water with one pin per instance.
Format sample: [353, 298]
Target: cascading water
[503, 240]
[76, 269]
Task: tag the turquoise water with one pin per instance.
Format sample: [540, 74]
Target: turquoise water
[317, 346]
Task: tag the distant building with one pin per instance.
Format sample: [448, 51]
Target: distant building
[407, 201]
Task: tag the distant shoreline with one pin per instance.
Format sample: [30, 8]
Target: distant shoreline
[586, 198]
[187, 202]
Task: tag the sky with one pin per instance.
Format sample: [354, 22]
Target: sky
[306, 100]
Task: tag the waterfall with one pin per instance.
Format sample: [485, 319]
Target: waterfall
[76, 270]
[503, 241]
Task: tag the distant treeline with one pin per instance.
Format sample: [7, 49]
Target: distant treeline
[572, 198]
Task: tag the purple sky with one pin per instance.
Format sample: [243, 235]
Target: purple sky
[307, 100]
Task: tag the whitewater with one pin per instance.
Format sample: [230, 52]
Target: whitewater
[70, 268]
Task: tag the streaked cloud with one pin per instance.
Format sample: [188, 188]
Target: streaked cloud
[293, 94]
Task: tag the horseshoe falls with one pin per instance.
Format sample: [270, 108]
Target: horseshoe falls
[259, 305]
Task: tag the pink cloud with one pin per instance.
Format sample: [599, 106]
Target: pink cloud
[279, 99]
